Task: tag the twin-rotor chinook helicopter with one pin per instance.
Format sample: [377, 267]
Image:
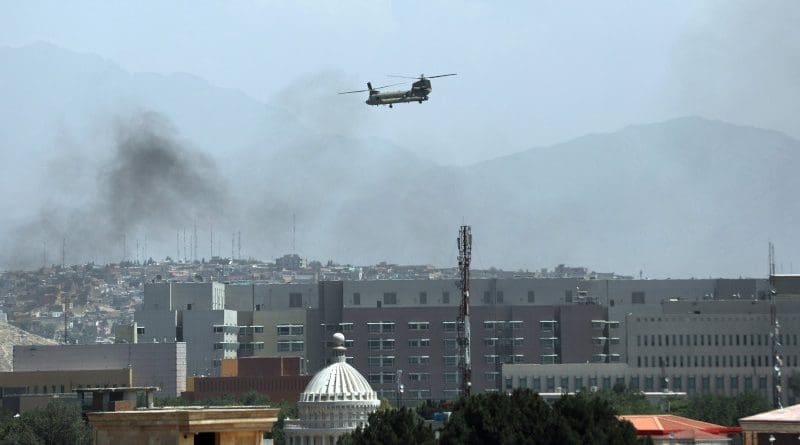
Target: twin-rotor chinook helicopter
[418, 93]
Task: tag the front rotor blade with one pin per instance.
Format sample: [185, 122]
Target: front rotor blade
[442, 75]
[402, 77]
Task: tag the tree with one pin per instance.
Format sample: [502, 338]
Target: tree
[723, 410]
[525, 418]
[391, 427]
[287, 411]
[626, 401]
[58, 423]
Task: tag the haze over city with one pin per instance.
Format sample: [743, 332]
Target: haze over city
[625, 137]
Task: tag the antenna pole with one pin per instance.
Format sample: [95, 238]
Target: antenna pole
[462, 323]
[294, 224]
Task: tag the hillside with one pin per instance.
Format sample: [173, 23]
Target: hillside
[11, 335]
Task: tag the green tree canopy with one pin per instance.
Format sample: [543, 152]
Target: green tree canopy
[391, 427]
[525, 418]
[58, 423]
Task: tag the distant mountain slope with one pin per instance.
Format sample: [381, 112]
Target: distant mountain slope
[686, 197]
[11, 335]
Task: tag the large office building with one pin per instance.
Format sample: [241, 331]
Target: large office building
[404, 331]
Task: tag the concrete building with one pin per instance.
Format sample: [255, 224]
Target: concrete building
[193, 313]
[776, 427]
[697, 347]
[155, 364]
[409, 326]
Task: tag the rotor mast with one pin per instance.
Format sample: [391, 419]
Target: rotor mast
[462, 323]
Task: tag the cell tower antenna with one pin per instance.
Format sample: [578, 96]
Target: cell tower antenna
[194, 251]
[211, 255]
[177, 245]
[239, 244]
[464, 360]
[294, 225]
[64, 252]
[66, 307]
[233, 240]
[771, 258]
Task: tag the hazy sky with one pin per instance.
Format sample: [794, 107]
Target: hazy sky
[530, 72]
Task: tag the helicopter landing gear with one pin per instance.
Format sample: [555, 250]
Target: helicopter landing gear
[390, 105]
[420, 101]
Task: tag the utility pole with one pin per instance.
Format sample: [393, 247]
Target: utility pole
[462, 323]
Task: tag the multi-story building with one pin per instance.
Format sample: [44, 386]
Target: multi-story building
[698, 346]
[194, 313]
[404, 331]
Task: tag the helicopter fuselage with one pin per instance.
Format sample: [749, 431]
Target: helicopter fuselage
[396, 97]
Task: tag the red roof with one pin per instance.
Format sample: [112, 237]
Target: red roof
[663, 424]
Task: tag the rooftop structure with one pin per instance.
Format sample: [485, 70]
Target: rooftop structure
[336, 401]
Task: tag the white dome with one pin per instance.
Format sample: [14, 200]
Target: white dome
[336, 401]
[336, 383]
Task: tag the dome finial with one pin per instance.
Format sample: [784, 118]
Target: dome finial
[338, 346]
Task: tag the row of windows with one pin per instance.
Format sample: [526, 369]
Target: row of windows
[713, 340]
[291, 345]
[257, 346]
[495, 359]
[649, 383]
[290, 329]
[378, 361]
[241, 330]
[725, 361]
[391, 298]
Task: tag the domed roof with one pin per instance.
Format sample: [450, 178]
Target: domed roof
[339, 381]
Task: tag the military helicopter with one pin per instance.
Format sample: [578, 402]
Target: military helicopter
[419, 91]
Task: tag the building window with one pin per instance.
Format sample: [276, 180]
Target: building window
[423, 298]
[449, 343]
[189, 306]
[419, 376]
[449, 326]
[380, 327]
[389, 298]
[289, 329]
[419, 325]
[295, 300]
[499, 296]
[568, 296]
[450, 377]
[419, 360]
[446, 297]
[380, 345]
[450, 360]
[531, 296]
[419, 342]
[356, 299]
[381, 361]
[637, 297]
[487, 297]
[258, 307]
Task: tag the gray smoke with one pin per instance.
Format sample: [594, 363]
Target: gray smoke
[151, 185]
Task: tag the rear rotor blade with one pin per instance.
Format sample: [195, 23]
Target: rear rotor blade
[356, 91]
[442, 75]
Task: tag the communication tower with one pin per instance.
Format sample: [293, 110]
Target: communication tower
[462, 323]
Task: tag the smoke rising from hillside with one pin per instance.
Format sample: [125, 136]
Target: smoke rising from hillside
[151, 185]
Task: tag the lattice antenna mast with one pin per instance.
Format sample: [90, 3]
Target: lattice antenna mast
[462, 323]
